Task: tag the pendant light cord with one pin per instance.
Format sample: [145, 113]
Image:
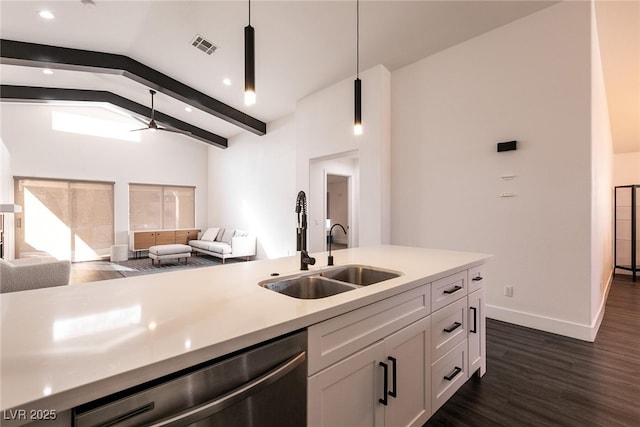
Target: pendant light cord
[357, 38]
[249, 12]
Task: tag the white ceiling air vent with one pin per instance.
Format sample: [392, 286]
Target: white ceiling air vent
[204, 45]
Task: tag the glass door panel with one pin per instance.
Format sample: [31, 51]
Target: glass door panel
[67, 219]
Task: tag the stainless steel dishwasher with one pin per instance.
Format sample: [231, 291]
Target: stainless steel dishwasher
[264, 385]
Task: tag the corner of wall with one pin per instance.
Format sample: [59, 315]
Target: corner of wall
[601, 181]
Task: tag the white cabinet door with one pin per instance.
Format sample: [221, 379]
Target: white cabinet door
[352, 392]
[347, 393]
[476, 277]
[409, 400]
[476, 335]
[448, 374]
[448, 289]
[448, 327]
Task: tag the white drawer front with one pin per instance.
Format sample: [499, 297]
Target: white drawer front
[337, 338]
[448, 328]
[448, 374]
[476, 278]
[448, 289]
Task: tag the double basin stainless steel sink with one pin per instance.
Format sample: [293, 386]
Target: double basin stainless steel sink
[329, 282]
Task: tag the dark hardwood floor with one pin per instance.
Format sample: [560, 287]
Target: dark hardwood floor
[536, 378]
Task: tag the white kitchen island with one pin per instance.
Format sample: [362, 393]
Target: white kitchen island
[65, 346]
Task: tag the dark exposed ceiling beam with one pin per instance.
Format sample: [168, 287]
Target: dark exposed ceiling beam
[38, 55]
[45, 94]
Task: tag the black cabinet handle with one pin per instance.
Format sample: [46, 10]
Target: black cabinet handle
[394, 392]
[453, 374]
[477, 278]
[450, 329]
[384, 400]
[475, 320]
[455, 289]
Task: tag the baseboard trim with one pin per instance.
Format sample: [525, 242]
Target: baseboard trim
[600, 315]
[579, 331]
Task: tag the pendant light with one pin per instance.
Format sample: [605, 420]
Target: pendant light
[357, 84]
[249, 63]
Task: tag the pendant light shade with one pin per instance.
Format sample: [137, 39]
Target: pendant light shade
[249, 63]
[357, 122]
[357, 84]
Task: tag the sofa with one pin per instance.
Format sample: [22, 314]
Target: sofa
[225, 243]
[33, 273]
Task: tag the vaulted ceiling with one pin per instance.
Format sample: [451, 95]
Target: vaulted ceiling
[301, 46]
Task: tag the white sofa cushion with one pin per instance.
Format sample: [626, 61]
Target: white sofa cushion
[217, 247]
[227, 236]
[169, 249]
[210, 234]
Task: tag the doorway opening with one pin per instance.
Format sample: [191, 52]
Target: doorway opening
[338, 202]
[323, 173]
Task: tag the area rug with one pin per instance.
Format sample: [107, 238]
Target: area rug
[137, 267]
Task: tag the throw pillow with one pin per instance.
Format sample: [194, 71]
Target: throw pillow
[241, 233]
[210, 234]
[220, 234]
[228, 234]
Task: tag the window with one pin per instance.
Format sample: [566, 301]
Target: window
[67, 219]
[160, 207]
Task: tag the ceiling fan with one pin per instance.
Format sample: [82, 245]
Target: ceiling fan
[152, 125]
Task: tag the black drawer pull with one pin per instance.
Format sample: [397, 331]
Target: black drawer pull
[477, 278]
[450, 329]
[384, 400]
[455, 289]
[394, 385]
[475, 320]
[453, 374]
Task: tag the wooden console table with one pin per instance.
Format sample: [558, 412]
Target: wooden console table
[143, 240]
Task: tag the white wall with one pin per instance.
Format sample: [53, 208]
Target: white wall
[529, 81]
[324, 129]
[626, 169]
[252, 186]
[601, 186]
[6, 197]
[158, 158]
[6, 184]
[254, 183]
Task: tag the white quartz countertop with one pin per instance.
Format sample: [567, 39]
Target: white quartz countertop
[65, 346]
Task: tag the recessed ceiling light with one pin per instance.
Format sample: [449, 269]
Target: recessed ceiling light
[188, 109]
[47, 71]
[46, 14]
[226, 82]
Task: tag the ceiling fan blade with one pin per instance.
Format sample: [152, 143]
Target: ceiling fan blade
[184, 132]
[152, 125]
[140, 120]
